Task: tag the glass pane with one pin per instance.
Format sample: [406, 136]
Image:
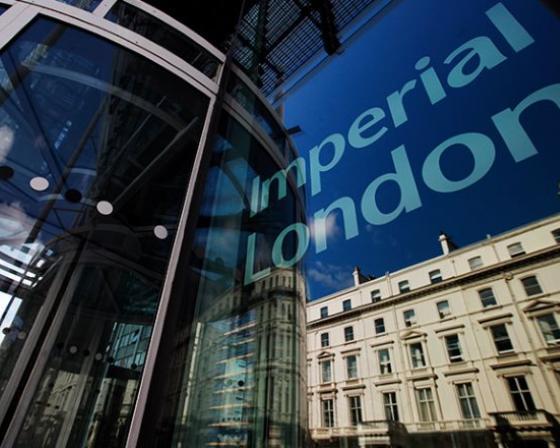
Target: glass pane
[88, 214]
[230, 295]
[162, 34]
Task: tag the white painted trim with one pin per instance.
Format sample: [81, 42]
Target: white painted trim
[104, 7]
[124, 37]
[165, 297]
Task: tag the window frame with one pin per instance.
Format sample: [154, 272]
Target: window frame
[483, 299]
[404, 286]
[385, 366]
[327, 413]
[423, 397]
[536, 285]
[475, 262]
[556, 329]
[328, 342]
[525, 394]
[379, 326]
[501, 338]
[435, 276]
[413, 358]
[516, 249]
[375, 295]
[355, 411]
[324, 312]
[453, 358]
[391, 406]
[322, 371]
[441, 313]
[469, 398]
[349, 333]
[346, 305]
[411, 321]
[352, 371]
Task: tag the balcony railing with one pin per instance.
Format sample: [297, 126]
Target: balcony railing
[383, 427]
[536, 418]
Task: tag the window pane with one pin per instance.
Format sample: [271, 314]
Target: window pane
[475, 263]
[520, 394]
[355, 410]
[404, 286]
[347, 305]
[487, 297]
[91, 207]
[384, 361]
[435, 276]
[326, 372]
[351, 367]
[549, 328]
[328, 413]
[417, 355]
[453, 348]
[443, 309]
[515, 250]
[379, 326]
[501, 338]
[531, 285]
[390, 404]
[324, 312]
[409, 318]
[375, 295]
[324, 339]
[348, 334]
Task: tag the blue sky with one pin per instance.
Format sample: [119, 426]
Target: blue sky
[381, 61]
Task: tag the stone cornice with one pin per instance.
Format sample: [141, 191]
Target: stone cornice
[497, 269]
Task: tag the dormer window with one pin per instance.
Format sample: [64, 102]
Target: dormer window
[375, 295]
[515, 250]
[475, 263]
[435, 276]
[404, 286]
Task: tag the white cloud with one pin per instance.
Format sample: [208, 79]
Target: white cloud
[336, 277]
[328, 231]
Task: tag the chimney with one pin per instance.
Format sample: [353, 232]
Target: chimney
[357, 274]
[447, 244]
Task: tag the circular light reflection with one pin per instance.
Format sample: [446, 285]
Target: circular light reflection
[160, 232]
[39, 183]
[104, 207]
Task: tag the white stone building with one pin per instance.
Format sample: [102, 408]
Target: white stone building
[457, 350]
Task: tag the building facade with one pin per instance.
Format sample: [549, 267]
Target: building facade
[460, 350]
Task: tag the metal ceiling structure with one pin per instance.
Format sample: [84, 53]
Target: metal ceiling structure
[274, 38]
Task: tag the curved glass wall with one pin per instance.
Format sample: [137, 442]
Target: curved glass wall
[132, 259]
[97, 144]
[230, 372]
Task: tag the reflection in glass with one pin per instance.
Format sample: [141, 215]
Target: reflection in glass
[237, 353]
[162, 34]
[96, 146]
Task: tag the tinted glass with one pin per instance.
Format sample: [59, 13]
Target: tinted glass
[89, 208]
[164, 35]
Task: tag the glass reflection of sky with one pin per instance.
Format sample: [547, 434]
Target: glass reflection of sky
[380, 62]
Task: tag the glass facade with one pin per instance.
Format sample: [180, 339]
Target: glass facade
[145, 298]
